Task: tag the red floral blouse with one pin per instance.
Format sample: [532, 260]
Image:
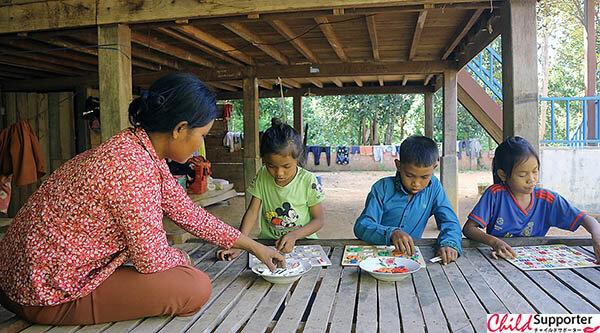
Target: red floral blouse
[97, 210]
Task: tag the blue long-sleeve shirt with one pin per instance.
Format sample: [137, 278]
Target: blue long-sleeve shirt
[388, 209]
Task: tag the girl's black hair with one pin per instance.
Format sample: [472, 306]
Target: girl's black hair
[512, 151]
[172, 99]
[282, 139]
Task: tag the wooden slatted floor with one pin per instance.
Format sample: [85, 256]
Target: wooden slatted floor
[452, 298]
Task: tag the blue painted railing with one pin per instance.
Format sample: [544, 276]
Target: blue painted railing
[573, 107]
[487, 68]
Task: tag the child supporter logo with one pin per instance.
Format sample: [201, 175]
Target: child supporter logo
[532, 323]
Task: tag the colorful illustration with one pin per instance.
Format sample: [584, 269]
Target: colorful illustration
[354, 254]
[314, 254]
[559, 256]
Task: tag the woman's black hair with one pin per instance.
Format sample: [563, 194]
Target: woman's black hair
[172, 99]
[282, 139]
[512, 151]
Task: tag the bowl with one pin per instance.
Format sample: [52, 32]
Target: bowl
[293, 271]
[389, 268]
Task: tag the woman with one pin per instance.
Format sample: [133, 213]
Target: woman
[61, 260]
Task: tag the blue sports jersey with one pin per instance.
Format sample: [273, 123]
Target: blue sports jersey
[499, 212]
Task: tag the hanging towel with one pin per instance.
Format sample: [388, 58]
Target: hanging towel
[378, 153]
[342, 155]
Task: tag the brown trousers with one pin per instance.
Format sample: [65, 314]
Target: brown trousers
[126, 294]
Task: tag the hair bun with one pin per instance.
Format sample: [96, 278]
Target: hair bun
[276, 122]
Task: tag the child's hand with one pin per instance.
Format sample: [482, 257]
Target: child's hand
[448, 254]
[228, 254]
[270, 257]
[502, 249]
[286, 243]
[596, 245]
[403, 242]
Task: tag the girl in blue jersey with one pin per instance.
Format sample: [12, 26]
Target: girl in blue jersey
[515, 207]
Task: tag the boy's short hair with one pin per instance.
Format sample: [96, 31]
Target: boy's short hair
[419, 150]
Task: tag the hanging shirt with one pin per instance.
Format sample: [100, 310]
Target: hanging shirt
[285, 208]
[499, 212]
[388, 209]
[96, 211]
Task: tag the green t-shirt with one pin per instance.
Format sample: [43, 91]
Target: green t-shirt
[286, 208]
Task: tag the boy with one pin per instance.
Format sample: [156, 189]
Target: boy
[397, 208]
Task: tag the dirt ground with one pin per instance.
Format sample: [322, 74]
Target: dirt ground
[346, 193]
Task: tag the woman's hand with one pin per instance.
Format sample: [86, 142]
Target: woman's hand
[228, 254]
[270, 257]
[502, 249]
[286, 243]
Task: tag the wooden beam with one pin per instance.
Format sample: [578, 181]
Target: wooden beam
[38, 65]
[30, 73]
[519, 71]
[589, 67]
[380, 79]
[429, 114]
[478, 38]
[404, 80]
[417, 35]
[192, 42]
[155, 44]
[251, 150]
[327, 30]
[87, 13]
[335, 91]
[371, 26]
[292, 83]
[298, 116]
[358, 81]
[214, 42]
[286, 32]
[150, 55]
[264, 84]
[316, 82]
[337, 82]
[65, 66]
[466, 26]
[427, 79]
[222, 85]
[449, 161]
[258, 42]
[114, 68]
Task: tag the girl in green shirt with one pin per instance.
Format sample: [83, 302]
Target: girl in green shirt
[290, 195]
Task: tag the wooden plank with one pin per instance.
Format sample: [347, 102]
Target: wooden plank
[37, 329]
[466, 26]
[292, 37]
[417, 35]
[331, 36]
[14, 324]
[94, 328]
[581, 286]
[565, 296]
[257, 41]
[411, 316]
[372, 27]
[292, 314]
[366, 320]
[345, 301]
[449, 161]
[234, 268]
[267, 309]
[114, 68]
[12, 117]
[64, 329]
[220, 155]
[514, 302]
[223, 304]
[43, 132]
[218, 44]
[318, 318]
[123, 326]
[590, 274]
[479, 286]
[389, 315]
[66, 125]
[54, 132]
[540, 300]
[432, 312]
[468, 299]
[245, 307]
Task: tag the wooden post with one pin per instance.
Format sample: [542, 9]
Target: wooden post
[298, 116]
[429, 115]
[82, 134]
[449, 161]
[589, 56]
[519, 71]
[114, 71]
[252, 161]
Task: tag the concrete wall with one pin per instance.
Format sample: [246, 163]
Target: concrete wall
[574, 174]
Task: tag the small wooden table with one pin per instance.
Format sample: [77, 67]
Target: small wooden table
[449, 298]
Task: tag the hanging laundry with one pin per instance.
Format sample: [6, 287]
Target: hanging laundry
[5, 190]
[366, 150]
[316, 151]
[355, 150]
[21, 154]
[233, 140]
[378, 153]
[342, 155]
